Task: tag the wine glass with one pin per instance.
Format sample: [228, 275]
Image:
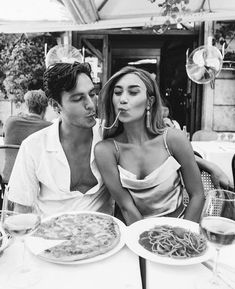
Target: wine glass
[217, 224]
[18, 221]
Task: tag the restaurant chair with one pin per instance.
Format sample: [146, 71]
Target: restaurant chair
[206, 182]
[233, 171]
[8, 155]
[204, 135]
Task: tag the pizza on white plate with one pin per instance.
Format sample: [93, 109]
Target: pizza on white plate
[86, 235]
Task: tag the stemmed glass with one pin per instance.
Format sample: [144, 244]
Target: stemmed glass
[217, 224]
[18, 221]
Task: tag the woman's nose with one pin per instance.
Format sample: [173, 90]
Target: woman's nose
[123, 99]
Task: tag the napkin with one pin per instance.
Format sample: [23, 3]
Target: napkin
[37, 244]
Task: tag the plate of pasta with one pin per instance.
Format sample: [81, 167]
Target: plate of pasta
[169, 241]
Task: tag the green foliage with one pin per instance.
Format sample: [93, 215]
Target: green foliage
[22, 62]
[172, 9]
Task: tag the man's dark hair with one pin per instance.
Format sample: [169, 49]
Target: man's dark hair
[63, 77]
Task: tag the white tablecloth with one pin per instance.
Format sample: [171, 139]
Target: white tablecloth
[185, 277]
[120, 271]
[219, 152]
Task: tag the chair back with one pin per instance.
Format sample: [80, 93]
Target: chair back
[207, 186]
[204, 135]
[233, 170]
[8, 155]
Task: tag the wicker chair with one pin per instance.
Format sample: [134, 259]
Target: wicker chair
[8, 155]
[204, 135]
[233, 170]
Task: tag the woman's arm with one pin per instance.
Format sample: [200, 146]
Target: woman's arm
[181, 149]
[107, 165]
[218, 176]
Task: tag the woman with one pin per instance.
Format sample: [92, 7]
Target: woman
[144, 160]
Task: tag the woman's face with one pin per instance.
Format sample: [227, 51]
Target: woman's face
[130, 98]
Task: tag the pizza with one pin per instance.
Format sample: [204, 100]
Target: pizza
[85, 235]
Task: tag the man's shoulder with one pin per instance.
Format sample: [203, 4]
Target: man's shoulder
[38, 136]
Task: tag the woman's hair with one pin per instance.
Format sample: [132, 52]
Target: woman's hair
[36, 101]
[63, 77]
[106, 102]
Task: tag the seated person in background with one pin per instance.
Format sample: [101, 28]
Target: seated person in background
[55, 166]
[140, 159]
[18, 127]
[167, 118]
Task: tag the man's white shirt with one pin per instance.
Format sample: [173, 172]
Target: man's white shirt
[41, 172]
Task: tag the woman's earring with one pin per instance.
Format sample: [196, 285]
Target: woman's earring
[148, 116]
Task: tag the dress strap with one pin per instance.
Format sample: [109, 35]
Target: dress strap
[117, 150]
[165, 143]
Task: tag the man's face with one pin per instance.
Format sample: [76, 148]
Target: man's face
[78, 105]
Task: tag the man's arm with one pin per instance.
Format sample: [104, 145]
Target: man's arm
[23, 183]
[218, 176]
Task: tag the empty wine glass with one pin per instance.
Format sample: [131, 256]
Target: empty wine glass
[217, 224]
[18, 221]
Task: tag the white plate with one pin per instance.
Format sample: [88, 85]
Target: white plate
[118, 247]
[134, 231]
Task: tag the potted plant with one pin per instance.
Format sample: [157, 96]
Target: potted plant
[173, 10]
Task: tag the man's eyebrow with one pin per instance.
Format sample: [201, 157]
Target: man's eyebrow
[81, 93]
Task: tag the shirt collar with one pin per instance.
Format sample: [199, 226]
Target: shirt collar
[53, 139]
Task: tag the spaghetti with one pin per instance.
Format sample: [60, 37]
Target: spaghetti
[174, 242]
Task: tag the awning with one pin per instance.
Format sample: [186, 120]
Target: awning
[82, 15]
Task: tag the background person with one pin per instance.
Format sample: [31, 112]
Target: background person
[141, 161]
[18, 127]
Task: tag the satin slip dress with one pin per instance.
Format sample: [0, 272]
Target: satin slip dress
[161, 192]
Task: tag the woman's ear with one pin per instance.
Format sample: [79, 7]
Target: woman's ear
[151, 100]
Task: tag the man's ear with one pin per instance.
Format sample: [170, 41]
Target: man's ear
[56, 106]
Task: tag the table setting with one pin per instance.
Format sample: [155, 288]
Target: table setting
[177, 252]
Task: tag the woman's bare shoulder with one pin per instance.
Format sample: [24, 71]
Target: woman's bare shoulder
[177, 140]
[104, 146]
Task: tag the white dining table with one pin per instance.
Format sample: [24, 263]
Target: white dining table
[186, 277]
[219, 152]
[119, 271]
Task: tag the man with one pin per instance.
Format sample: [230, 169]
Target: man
[55, 167]
[18, 127]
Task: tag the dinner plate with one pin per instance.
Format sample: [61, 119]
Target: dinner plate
[134, 231]
[118, 247]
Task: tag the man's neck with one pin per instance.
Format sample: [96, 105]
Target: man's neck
[75, 135]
